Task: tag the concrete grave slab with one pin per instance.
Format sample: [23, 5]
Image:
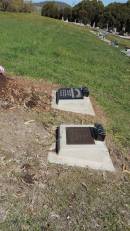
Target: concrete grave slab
[94, 155]
[82, 106]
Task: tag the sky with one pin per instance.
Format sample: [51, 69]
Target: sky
[73, 2]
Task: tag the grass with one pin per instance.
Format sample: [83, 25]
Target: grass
[64, 198]
[45, 48]
[97, 204]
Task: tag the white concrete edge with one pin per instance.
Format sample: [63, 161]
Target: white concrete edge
[55, 158]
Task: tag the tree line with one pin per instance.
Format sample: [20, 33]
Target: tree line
[93, 12]
[16, 5]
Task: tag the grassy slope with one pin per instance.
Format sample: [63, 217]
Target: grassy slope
[45, 48]
[67, 199]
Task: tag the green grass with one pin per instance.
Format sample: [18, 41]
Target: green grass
[39, 47]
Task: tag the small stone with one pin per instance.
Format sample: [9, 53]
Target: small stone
[3, 214]
[54, 215]
[4, 104]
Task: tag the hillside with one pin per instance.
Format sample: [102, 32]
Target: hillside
[60, 4]
[41, 54]
[69, 55]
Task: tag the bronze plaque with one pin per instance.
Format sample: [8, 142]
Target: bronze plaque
[79, 135]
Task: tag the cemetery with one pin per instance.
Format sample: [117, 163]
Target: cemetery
[112, 39]
[77, 145]
[64, 127]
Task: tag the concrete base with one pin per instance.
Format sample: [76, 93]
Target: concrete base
[82, 106]
[95, 156]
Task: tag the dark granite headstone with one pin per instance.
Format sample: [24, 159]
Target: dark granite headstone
[71, 93]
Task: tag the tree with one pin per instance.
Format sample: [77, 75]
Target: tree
[4, 4]
[67, 13]
[53, 10]
[27, 6]
[16, 5]
[117, 15]
[50, 9]
[89, 11]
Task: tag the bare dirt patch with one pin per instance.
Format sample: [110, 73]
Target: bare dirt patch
[26, 92]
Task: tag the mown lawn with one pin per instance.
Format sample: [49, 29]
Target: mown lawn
[45, 48]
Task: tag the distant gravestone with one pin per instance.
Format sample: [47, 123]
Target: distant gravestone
[2, 70]
[126, 51]
[94, 25]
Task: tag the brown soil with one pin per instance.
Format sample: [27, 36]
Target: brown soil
[26, 92]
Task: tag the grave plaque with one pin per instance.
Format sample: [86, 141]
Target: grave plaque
[71, 93]
[79, 135]
[81, 146]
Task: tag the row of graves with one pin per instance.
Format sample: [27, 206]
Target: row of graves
[113, 43]
[102, 35]
[79, 145]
